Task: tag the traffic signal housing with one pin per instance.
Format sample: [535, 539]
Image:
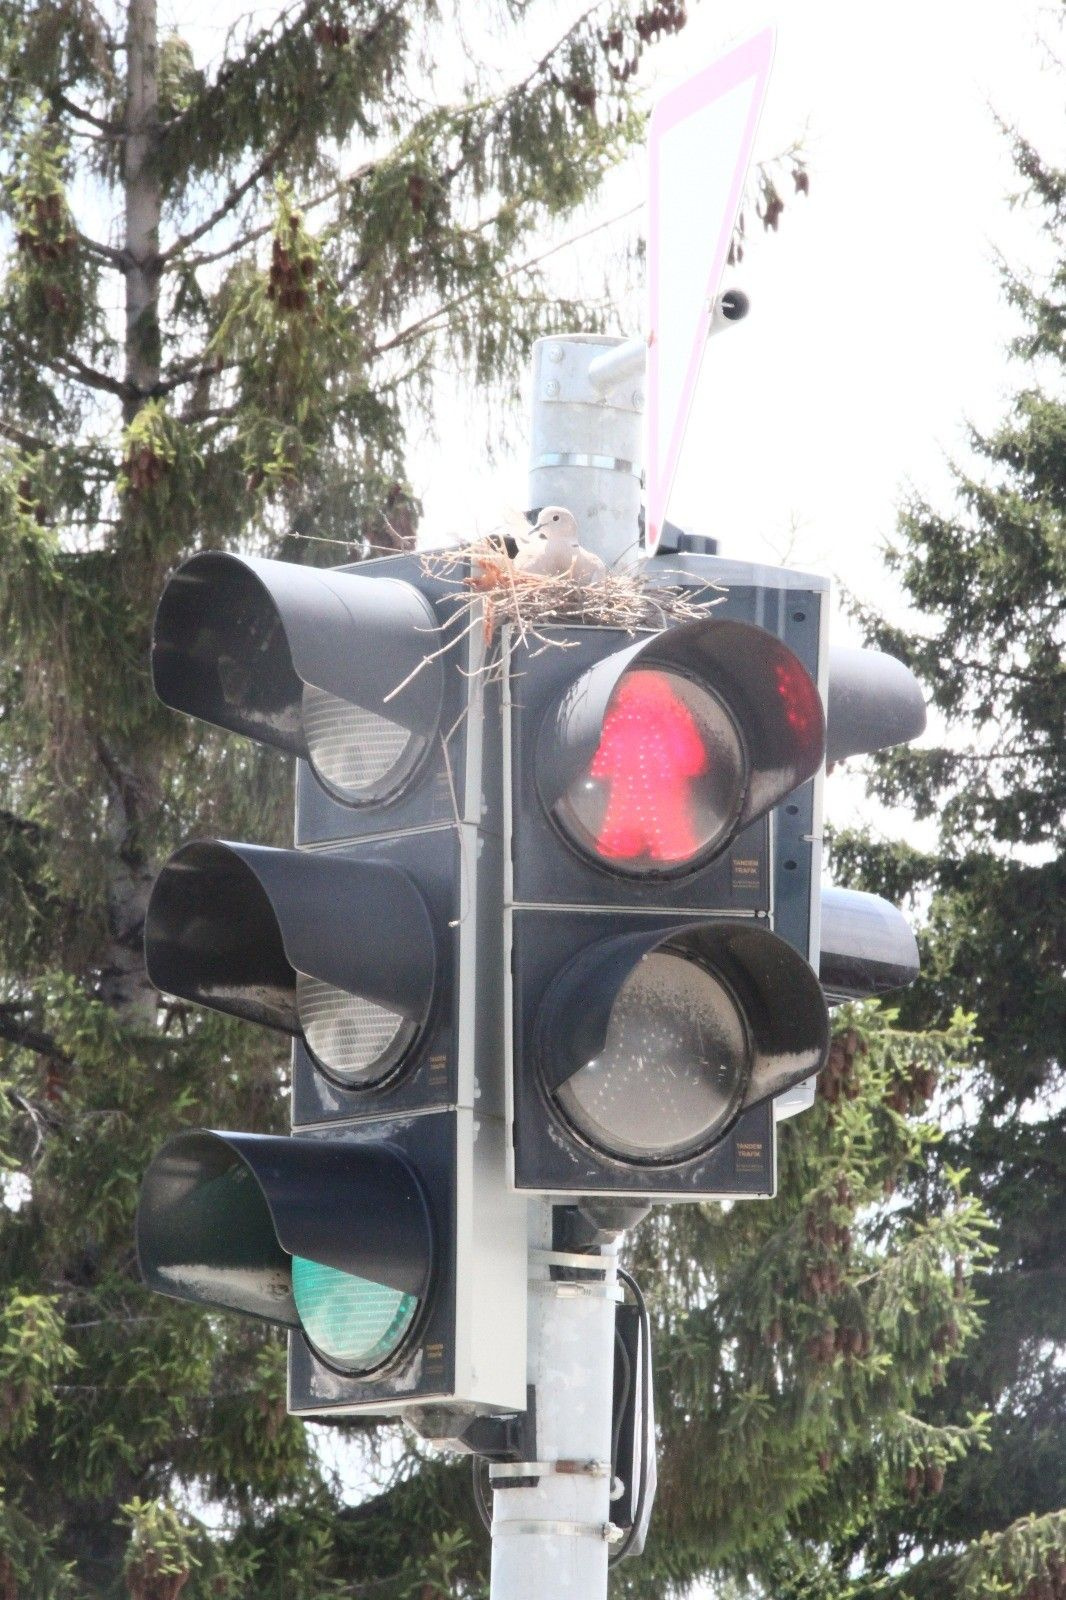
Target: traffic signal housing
[381, 1233]
[661, 820]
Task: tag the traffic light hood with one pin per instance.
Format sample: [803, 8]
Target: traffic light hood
[874, 702]
[222, 1214]
[231, 925]
[268, 648]
[776, 991]
[867, 946]
[767, 691]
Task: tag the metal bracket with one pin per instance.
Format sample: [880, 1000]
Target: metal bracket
[575, 458]
[602, 1531]
[503, 1474]
[564, 378]
[496, 1439]
[578, 1291]
[574, 1260]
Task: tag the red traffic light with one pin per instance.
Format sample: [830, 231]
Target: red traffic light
[661, 752]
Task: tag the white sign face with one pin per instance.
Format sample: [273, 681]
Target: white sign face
[699, 147]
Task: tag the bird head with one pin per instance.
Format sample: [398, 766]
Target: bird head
[557, 524]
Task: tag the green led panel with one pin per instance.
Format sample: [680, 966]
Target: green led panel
[353, 1322]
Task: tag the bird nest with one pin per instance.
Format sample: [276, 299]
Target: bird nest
[492, 593]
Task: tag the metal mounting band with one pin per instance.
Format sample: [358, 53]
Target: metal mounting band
[572, 1258]
[577, 1291]
[578, 458]
[604, 1532]
[544, 1469]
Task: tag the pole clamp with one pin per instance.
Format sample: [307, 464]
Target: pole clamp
[577, 1291]
[580, 458]
[502, 1473]
[605, 1532]
[574, 1259]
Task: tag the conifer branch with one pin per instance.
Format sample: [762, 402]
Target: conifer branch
[69, 366]
[105, 252]
[413, 329]
[111, 130]
[192, 374]
[25, 441]
[17, 824]
[268, 42]
[262, 169]
[27, 1038]
[253, 235]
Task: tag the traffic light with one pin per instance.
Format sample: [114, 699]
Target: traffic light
[866, 946]
[662, 891]
[381, 1233]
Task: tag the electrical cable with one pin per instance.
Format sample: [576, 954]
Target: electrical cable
[479, 1495]
[627, 1378]
[633, 1286]
[620, 1408]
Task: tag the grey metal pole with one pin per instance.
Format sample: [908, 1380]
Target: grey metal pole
[551, 1528]
[586, 447]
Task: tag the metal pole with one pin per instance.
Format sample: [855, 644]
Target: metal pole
[551, 1528]
[586, 447]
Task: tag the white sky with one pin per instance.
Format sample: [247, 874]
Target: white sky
[877, 324]
[878, 327]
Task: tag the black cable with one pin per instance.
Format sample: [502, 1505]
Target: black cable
[479, 1495]
[627, 1378]
[620, 1408]
[642, 1491]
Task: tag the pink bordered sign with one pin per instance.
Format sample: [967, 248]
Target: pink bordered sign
[699, 147]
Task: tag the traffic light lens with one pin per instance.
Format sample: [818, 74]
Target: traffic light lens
[359, 756]
[674, 1064]
[354, 1323]
[354, 1040]
[666, 783]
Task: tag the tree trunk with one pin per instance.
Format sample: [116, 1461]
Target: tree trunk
[143, 205]
[123, 981]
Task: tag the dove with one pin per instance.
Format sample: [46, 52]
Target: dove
[553, 550]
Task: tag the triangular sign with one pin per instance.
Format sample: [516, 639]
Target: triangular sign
[699, 147]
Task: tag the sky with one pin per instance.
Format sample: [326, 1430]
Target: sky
[878, 328]
[878, 325]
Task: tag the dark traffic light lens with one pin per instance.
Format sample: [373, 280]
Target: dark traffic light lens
[355, 1041]
[666, 783]
[673, 1067]
[354, 1323]
[359, 756]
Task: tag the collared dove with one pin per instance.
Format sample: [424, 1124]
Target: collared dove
[553, 550]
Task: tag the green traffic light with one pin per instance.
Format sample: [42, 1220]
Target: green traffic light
[354, 1323]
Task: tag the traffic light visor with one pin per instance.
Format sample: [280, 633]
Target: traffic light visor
[330, 666]
[302, 942]
[867, 946]
[330, 1237]
[652, 1044]
[658, 754]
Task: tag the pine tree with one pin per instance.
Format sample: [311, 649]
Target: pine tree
[798, 1341]
[224, 297]
[301, 236]
[989, 578]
